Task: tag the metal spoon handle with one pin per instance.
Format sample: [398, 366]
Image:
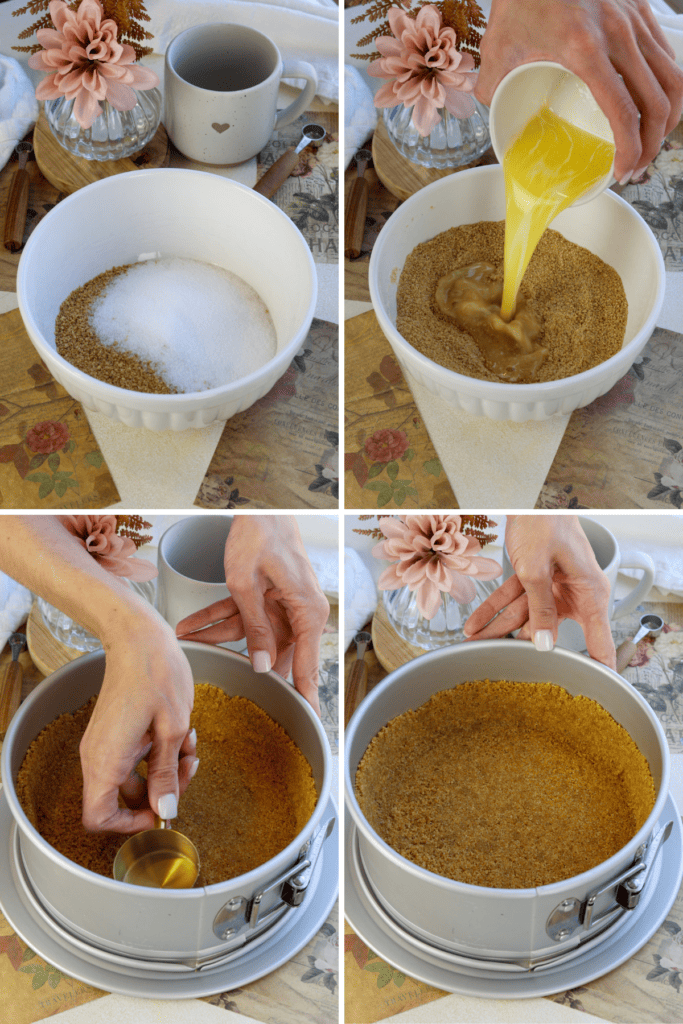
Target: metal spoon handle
[278, 173]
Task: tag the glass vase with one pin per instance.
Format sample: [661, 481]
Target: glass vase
[446, 628]
[70, 633]
[453, 142]
[114, 134]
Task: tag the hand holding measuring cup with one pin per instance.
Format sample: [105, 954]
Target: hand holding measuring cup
[615, 46]
[150, 719]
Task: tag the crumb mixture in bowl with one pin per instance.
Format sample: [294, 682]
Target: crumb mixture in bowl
[252, 794]
[578, 299]
[166, 326]
[505, 784]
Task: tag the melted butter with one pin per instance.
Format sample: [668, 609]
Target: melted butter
[550, 165]
[472, 298]
[162, 870]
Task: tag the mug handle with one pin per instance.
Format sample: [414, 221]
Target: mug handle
[298, 69]
[635, 560]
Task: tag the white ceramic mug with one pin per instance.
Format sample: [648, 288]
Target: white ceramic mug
[220, 92]
[522, 93]
[191, 571]
[609, 558]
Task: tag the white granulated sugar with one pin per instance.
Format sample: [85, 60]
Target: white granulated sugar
[199, 325]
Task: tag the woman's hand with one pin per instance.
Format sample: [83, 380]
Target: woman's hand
[276, 602]
[599, 40]
[143, 710]
[556, 577]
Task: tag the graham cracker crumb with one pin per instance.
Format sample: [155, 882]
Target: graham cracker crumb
[505, 784]
[577, 297]
[79, 344]
[252, 794]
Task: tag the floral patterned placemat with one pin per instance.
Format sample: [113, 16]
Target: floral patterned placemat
[302, 991]
[658, 198]
[283, 451]
[48, 455]
[625, 449]
[310, 196]
[389, 460]
[647, 988]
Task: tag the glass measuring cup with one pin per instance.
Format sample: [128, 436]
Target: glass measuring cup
[159, 857]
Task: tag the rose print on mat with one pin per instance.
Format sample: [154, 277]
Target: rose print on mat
[18, 955]
[327, 479]
[668, 967]
[669, 479]
[388, 465]
[324, 959]
[386, 445]
[37, 458]
[47, 437]
[369, 961]
[552, 496]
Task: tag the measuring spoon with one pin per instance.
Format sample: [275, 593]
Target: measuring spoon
[159, 857]
[625, 651]
[284, 165]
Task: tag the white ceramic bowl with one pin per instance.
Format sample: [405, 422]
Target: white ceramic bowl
[608, 226]
[167, 212]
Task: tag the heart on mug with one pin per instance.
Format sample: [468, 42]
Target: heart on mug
[220, 128]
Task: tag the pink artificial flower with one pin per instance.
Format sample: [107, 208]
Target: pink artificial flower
[87, 62]
[431, 556]
[98, 536]
[424, 67]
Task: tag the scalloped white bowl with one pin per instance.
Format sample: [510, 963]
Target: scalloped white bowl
[167, 212]
[607, 226]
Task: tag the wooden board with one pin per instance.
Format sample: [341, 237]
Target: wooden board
[68, 173]
[46, 653]
[401, 176]
[391, 650]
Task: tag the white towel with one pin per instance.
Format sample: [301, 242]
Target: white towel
[660, 537]
[18, 106]
[301, 29]
[360, 594]
[15, 604]
[361, 113]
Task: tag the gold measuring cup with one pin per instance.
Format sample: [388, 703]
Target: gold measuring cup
[159, 857]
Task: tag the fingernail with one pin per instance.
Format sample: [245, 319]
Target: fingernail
[543, 640]
[195, 766]
[192, 735]
[627, 177]
[168, 806]
[260, 661]
[639, 173]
